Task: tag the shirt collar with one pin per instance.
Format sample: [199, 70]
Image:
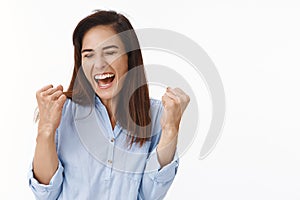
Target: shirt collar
[118, 128]
[98, 102]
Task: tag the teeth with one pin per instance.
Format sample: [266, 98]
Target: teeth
[103, 76]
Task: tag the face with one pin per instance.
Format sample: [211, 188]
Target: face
[104, 61]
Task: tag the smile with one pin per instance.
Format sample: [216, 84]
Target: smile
[104, 80]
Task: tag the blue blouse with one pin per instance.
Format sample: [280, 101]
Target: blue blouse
[96, 163]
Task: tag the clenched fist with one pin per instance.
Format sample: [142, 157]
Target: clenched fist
[50, 103]
[175, 102]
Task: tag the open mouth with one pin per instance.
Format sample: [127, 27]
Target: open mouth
[104, 80]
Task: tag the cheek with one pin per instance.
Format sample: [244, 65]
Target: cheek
[122, 67]
[122, 71]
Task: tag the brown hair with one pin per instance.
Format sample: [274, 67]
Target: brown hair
[133, 115]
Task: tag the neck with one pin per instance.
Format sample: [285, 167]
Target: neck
[111, 106]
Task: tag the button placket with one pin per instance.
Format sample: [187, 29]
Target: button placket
[110, 156]
[111, 151]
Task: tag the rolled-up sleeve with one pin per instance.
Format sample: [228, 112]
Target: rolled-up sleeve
[156, 181]
[50, 191]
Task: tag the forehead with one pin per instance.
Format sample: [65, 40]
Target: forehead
[100, 36]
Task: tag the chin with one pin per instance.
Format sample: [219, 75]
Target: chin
[106, 95]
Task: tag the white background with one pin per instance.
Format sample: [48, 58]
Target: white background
[255, 46]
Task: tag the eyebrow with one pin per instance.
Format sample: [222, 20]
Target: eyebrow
[110, 46]
[104, 48]
[86, 50]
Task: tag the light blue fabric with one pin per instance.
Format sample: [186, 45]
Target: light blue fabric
[85, 176]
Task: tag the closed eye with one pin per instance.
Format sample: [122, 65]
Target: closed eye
[89, 55]
[110, 52]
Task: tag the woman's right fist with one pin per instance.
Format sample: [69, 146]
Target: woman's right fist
[50, 103]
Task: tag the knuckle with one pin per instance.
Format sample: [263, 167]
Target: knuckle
[62, 96]
[59, 92]
[177, 101]
[39, 96]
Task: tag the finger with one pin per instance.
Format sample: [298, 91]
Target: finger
[164, 99]
[50, 91]
[61, 100]
[172, 96]
[173, 91]
[179, 92]
[182, 95]
[56, 95]
[47, 92]
[169, 89]
[45, 88]
[167, 101]
[60, 87]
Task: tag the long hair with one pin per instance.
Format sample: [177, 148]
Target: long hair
[133, 115]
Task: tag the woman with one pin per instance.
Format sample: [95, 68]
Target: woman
[135, 156]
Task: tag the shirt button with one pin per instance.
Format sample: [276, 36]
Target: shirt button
[112, 139]
[109, 161]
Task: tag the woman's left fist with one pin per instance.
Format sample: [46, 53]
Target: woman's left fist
[174, 102]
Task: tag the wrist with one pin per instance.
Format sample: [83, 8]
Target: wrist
[45, 133]
[45, 138]
[169, 135]
[170, 128]
[46, 128]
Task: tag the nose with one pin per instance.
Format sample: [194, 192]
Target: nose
[100, 63]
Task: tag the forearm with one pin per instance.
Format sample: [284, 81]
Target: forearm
[161, 167]
[45, 160]
[166, 147]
